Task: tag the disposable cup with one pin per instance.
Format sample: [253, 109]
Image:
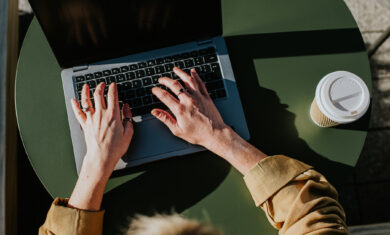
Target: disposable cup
[341, 97]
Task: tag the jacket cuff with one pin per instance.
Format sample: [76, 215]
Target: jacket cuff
[61, 217]
[270, 174]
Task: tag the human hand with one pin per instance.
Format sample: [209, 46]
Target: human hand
[107, 136]
[196, 118]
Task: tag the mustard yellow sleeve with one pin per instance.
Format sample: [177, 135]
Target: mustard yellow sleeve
[61, 220]
[295, 198]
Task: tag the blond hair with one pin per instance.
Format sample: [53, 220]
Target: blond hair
[162, 224]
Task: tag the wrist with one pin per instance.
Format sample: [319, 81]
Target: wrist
[221, 140]
[93, 168]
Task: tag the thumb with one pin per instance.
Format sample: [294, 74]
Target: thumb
[127, 125]
[165, 118]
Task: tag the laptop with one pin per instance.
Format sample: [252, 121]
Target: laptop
[133, 43]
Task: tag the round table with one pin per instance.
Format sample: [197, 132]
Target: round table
[279, 51]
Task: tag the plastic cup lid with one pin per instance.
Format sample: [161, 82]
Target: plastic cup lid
[342, 96]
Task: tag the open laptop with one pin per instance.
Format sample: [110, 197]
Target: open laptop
[133, 43]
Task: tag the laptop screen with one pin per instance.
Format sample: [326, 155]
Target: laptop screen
[85, 31]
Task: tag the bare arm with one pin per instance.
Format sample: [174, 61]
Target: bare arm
[295, 198]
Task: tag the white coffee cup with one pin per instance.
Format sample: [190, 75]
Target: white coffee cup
[341, 97]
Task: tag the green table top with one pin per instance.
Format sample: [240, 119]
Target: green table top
[279, 52]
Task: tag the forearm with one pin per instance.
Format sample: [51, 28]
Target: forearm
[234, 149]
[89, 189]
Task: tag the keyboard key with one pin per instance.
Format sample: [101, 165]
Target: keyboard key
[168, 59]
[198, 60]
[133, 66]
[130, 76]
[124, 69]
[187, 71]
[79, 79]
[221, 93]
[146, 81]
[98, 74]
[106, 72]
[147, 100]
[169, 67]
[214, 85]
[168, 75]
[179, 64]
[110, 79]
[197, 69]
[115, 70]
[160, 61]
[136, 84]
[130, 94]
[140, 73]
[210, 58]
[194, 53]
[91, 84]
[140, 92]
[88, 76]
[160, 69]
[136, 103]
[149, 71]
[100, 80]
[148, 90]
[189, 63]
[120, 78]
[185, 55]
[151, 62]
[142, 65]
[215, 67]
[79, 86]
[127, 86]
[155, 79]
[205, 68]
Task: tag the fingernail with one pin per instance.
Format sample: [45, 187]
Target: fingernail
[155, 112]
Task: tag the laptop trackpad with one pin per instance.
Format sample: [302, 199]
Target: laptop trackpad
[151, 137]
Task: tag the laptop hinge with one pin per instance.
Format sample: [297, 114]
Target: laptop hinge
[206, 41]
[80, 68]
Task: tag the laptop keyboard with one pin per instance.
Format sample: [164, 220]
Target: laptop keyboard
[136, 80]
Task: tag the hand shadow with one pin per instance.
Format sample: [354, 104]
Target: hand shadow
[170, 185]
[271, 125]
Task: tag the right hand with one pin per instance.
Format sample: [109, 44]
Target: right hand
[196, 118]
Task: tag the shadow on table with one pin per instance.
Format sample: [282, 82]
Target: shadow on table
[271, 125]
[170, 185]
[181, 182]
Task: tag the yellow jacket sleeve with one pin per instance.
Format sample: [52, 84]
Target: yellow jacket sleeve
[63, 220]
[295, 198]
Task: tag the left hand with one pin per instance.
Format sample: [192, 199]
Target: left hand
[107, 136]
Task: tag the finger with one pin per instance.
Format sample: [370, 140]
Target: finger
[186, 78]
[201, 85]
[166, 118]
[112, 100]
[175, 87]
[165, 97]
[80, 115]
[100, 102]
[86, 99]
[128, 125]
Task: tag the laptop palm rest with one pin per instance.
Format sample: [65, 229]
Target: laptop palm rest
[151, 137]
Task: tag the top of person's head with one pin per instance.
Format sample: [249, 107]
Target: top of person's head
[169, 225]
